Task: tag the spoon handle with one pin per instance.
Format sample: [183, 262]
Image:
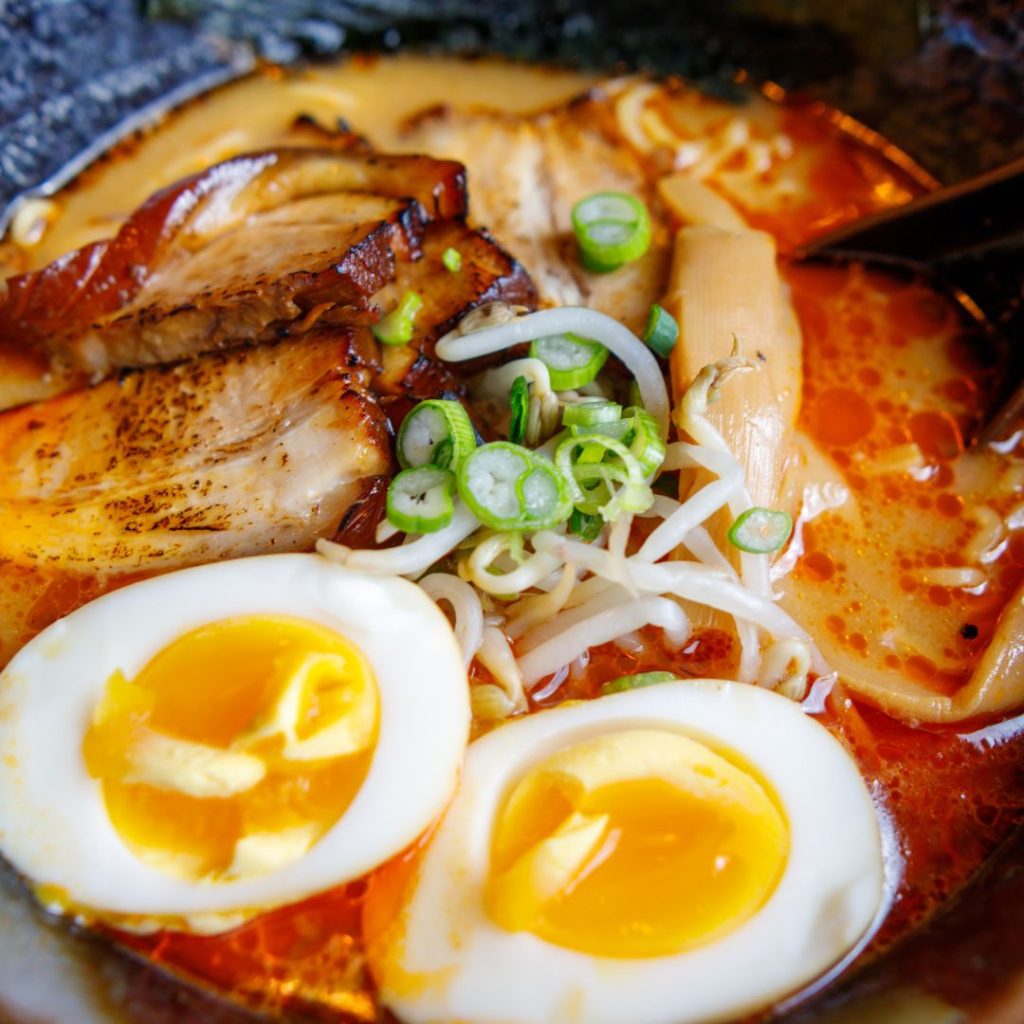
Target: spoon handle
[963, 220]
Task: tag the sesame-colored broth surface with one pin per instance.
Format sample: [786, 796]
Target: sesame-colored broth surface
[895, 381]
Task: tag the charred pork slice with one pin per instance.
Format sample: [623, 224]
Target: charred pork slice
[223, 256]
[527, 172]
[487, 273]
[236, 453]
[245, 285]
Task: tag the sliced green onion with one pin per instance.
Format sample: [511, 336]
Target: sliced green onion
[420, 500]
[661, 332]
[590, 454]
[444, 452]
[620, 430]
[647, 444]
[519, 403]
[607, 500]
[515, 547]
[585, 526]
[544, 497]
[452, 259]
[611, 228]
[508, 487]
[636, 428]
[603, 488]
[635, 681]
[437, 432]
[591, 411]
[396, 328]
[571, 361]
[761, 530]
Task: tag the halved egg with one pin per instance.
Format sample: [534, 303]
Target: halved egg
[687, 852]
[199, 747]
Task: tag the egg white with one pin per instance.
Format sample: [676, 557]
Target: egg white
[54, 827]
[445, 959]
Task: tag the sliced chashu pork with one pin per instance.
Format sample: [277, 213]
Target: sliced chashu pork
[250, 450]
[486, 274]
[27, 371]
[314, 259]
[527, 173]
[257, 450]
[228, 255]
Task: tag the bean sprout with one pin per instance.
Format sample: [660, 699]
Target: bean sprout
[601, 628]
[690, 514]
[465, 605]
[410, 559]
[784, 668]
[496, 656]
[538, 608]
[620, 341]
[478, 568]
[610, 597]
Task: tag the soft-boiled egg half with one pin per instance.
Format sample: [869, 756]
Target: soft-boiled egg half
[196, 748]
[687, 852]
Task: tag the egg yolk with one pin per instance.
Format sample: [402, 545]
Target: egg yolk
[236, 746]
[634, 844]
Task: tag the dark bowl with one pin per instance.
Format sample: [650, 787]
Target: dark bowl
[943, 79]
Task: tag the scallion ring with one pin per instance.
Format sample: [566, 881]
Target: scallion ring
[760, 531]
[508, 487]
[452, 259]
[437, 432]
[572, 361]
[662, 331]
[590, 454]
[611, 228]
[586, 527]
[620, 430]
[397, 327]
[519, 404]
[420, 500]
[591, 481]
[609, 501]
[590, 412]
[640, 679]
[646, 443]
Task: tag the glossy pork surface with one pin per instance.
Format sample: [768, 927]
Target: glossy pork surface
[235, 254]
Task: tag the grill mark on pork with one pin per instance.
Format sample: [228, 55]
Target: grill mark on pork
[229, 454]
